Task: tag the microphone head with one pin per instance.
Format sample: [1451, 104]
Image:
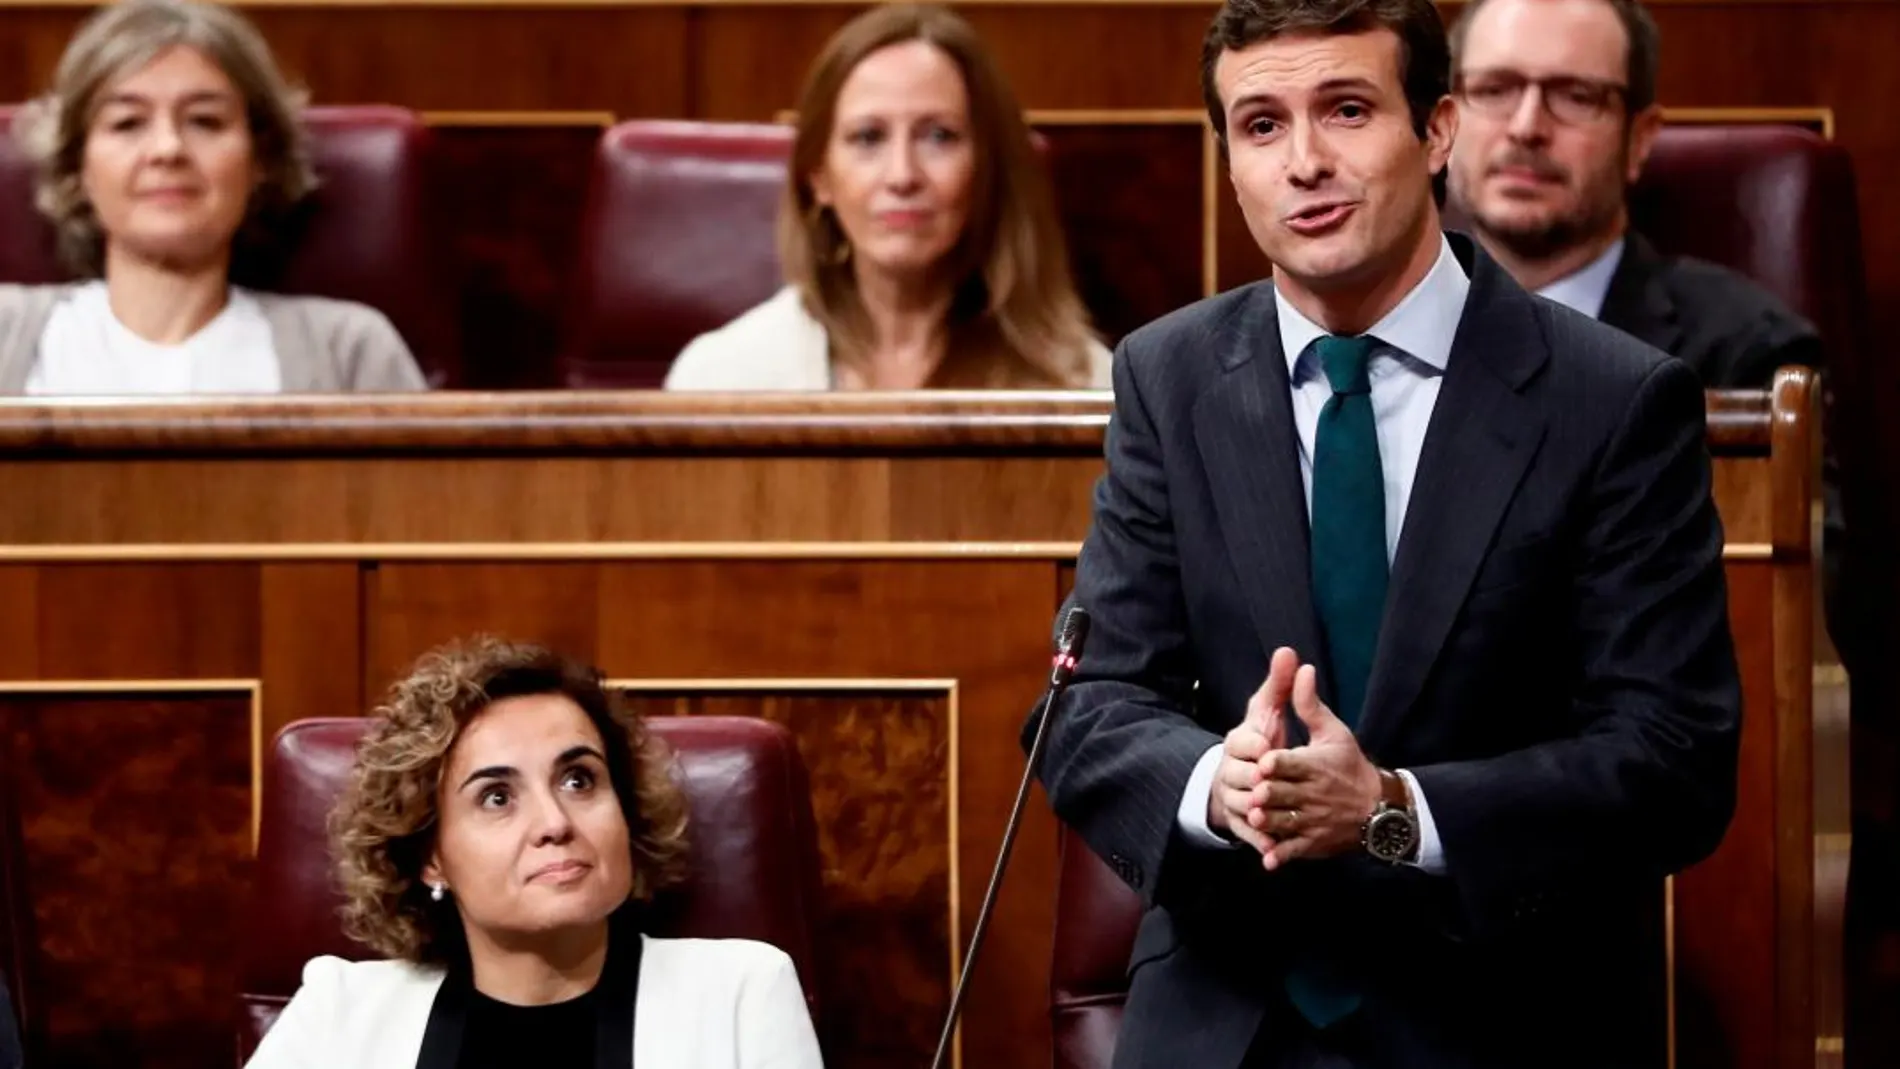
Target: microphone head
[1075, 632]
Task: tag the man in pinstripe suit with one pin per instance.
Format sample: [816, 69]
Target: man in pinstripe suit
[1410, 676]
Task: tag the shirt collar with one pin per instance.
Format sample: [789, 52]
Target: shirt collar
[1585, 288]
[1422, 325]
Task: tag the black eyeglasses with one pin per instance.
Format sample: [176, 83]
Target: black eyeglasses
[1566, 98]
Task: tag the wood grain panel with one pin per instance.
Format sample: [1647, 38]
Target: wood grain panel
[128, 621]
[629, 60]
[134, 816]
[410, 609]
[1726, 908]
[880, 765]
[311, 661]
[404, 500]
[1052, 57]
[1746, 497]
[19, 624]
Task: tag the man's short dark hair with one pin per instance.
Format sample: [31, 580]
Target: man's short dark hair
[1645, 48]
[1424, 54]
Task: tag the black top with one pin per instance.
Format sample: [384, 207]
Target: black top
[469, 1030]
[501, 1036]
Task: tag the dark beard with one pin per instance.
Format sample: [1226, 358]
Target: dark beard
[1543, 241]
[1540, 241]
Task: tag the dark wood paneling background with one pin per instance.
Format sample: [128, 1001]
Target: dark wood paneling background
[133, 812]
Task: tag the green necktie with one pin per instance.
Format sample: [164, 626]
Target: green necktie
[1349, 563]
[1349, 581]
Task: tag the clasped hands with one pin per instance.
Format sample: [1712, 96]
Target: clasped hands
[1309, 801]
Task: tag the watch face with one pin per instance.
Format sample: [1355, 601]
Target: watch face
[1392, 835]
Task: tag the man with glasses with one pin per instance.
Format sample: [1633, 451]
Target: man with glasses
[1557, 113]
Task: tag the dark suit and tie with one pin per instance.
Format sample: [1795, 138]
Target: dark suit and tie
[1551, 672]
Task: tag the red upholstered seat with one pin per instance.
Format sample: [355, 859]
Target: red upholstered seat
[1096, 915]
[364, 235]
[677, 239]
[754, 851]
[1776, 203]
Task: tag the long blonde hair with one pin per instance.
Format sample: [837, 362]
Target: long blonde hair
[1015, 319]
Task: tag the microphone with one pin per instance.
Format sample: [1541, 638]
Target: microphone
[1075, 632]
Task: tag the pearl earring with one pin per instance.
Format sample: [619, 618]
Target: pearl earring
[435, 891]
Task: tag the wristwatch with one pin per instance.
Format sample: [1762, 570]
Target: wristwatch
[1391, 832]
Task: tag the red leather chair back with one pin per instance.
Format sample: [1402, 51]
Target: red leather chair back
[1776, 203]
[29, 254]
[678, 239]
[1096, 916]
[363, 235]
[754, 843]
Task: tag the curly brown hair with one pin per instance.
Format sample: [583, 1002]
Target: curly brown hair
[383, 828]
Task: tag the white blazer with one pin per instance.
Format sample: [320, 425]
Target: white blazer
[777, 346]
[703, 1004]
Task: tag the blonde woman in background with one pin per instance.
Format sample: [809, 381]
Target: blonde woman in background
[918, 234]
[168, 132]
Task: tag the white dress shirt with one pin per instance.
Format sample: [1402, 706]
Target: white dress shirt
[1584, 289]
[1406, 370]
[85, 350]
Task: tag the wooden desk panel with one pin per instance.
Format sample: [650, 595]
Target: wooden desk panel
[878, 573]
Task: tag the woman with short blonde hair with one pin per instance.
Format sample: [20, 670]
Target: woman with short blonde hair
[918, 234]
[168, 140]
[505, 822]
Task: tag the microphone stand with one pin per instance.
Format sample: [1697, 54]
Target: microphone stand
[1075, 629]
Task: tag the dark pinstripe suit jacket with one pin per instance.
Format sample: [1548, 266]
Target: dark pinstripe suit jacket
[1554, 665]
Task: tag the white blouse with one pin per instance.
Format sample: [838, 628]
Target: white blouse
[85, 350]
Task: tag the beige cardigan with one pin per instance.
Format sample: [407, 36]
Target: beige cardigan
[777, 346]
[323, 346]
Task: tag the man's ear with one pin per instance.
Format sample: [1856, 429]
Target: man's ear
[1441, 129]
[1644, 126]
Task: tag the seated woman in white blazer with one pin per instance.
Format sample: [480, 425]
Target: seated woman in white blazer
[506, 821]
[917, 234]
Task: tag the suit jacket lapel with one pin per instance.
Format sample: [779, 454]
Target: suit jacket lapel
[1637, 303]
[1250, 450]
[448, 1018]
[1482, 436]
